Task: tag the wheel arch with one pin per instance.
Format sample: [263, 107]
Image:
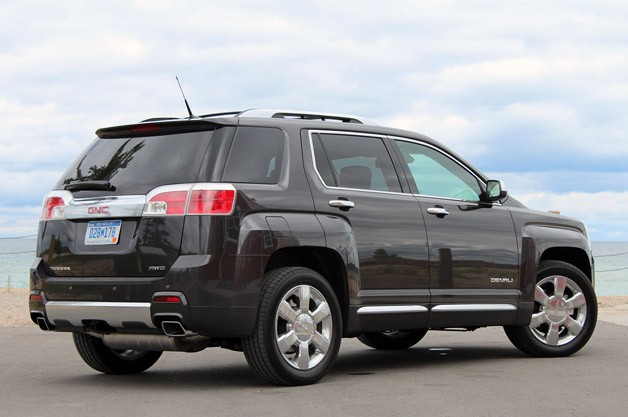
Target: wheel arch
[327, 262]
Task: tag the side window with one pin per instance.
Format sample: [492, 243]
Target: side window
[256, 156]
[438, 175]
[359, 162]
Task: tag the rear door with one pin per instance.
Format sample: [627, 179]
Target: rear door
[472, 244]
[354, 181]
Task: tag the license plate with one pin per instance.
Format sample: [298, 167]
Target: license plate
[104, 232]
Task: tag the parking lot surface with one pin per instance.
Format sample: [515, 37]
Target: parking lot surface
[446, 374]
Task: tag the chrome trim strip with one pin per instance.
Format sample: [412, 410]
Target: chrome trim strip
[473, 307]
[115, 206]
[392, 309]
[448, 155]
[114, 314]
[334, 132]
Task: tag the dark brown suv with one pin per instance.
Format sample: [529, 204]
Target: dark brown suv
[280, 232]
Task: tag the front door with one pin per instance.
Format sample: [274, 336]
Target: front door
[472, 244]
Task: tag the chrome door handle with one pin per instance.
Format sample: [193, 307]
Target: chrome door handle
[438, 211]
[342, 204]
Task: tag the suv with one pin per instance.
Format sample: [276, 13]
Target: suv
[278, 233]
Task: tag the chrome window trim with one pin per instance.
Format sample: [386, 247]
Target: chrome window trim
[340, 132]
[382, 136]
[448, 155]
[113, 313]
[473, 307]
[392, 309]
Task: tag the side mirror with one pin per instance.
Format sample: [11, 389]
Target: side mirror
[495, 190]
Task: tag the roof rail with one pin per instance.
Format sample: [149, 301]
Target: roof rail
[303, 115]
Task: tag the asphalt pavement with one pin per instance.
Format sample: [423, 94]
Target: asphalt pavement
[446, 374]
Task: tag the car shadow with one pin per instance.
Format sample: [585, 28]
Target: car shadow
[185, 373]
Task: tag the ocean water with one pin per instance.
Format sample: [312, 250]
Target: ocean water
[611, 265]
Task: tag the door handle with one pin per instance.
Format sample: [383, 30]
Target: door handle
[343, 205]
[438, 211]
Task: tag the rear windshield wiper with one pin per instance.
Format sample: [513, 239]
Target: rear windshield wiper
[90, 185]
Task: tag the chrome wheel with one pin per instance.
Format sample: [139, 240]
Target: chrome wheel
[560, 310]
[303, 327]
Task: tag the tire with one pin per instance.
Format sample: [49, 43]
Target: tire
[109, 361]
[564, 315]
[298, 330]
[392, 339]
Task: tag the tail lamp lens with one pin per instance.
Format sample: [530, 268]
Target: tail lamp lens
[211, 202]
[169, 203]
[54, 205]
[193, 199]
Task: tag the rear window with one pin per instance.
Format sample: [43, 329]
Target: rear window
[256, 156]
[137, 165]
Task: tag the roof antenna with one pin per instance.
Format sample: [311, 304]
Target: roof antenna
[184, 99]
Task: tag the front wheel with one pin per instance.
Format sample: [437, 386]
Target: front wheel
[392, 339]
[298, 330]
[564, 315]
[112, 361]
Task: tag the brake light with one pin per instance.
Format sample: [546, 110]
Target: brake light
[211, 202]
[168, 203]
[193, 199]
[54, 205]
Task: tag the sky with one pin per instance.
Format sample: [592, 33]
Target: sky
[534, 93]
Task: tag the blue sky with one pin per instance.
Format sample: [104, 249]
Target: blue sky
[534, 93]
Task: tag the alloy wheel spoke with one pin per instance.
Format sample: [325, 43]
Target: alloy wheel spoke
[286, 341]
[560, 283]
[287, 312]
[321, 312]
[304, 298]
[538, 319]
[577, 301]
[321, 342]
[574, 326]
[540, 296]
[303, 361]
[552, 334]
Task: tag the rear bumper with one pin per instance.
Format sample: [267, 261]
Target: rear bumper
[116, 315]
[126, 304]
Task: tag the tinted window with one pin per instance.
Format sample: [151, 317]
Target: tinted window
[438, 175]
[137, 165]
[359, 162]
[256, 156]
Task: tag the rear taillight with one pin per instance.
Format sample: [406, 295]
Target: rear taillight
[192, 199]
[211, 202]
[167, 203]
[54, 205]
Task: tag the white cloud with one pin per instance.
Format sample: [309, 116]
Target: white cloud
[514, 87]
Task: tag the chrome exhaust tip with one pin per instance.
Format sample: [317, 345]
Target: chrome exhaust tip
[173, 328]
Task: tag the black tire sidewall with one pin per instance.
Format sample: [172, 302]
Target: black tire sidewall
[296, 277]
[538, 348]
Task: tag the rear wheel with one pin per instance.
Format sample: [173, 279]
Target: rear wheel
[392, 339]
[298, 330]
[112, 361]
[564, 315]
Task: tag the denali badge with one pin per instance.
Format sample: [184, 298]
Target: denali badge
[502, 280]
